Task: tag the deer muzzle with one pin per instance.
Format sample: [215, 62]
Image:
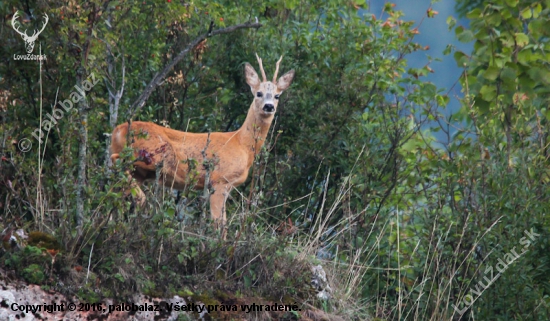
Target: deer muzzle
[269, 108]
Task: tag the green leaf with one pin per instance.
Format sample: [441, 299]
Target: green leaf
[536, 27]
[392, 238]
[512, 3]
[464, 35]
[537, 10]
[448, 49]
[461, 59]
[457, 196]
[539, 75]
[528, 83]
[491, 73]
[119, 277]
[524, 57]
[410, 146]
[247, 281]
[526, 13]
[442, 100]
[474, 14]
[488, 93]
[508, 73]
[521, 39]
[451, 22]
[494, 19]
[507, 40]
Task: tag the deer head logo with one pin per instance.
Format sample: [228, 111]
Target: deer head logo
[29, 40]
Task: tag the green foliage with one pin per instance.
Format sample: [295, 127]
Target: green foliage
[87, 294]
[34, 274]
[29, 254]
[31, 263]
[505, 84]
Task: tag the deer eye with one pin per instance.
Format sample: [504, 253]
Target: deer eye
[259, 94]
[276, 96]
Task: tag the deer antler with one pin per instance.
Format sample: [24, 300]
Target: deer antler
[261, 68]
[277, 69]
[13, 20]
[35, 34]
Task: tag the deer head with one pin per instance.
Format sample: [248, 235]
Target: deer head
[29, 40]
[266, 92]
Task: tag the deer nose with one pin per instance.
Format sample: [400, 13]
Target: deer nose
[269, 108]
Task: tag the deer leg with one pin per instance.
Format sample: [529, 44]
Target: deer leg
[217, 206]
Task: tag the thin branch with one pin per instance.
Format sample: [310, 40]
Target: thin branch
[89, 262]
[140, 102]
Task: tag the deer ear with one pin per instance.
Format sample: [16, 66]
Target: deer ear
[284, 82]
[251, 76]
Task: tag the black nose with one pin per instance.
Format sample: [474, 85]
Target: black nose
[269, 108]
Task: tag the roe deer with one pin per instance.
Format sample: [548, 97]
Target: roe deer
[233, 152]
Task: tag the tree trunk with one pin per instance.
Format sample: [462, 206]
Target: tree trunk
[82, 151]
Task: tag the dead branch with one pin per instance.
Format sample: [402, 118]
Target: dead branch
[140, 102]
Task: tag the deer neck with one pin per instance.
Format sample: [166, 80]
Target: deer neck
[254, 131]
